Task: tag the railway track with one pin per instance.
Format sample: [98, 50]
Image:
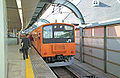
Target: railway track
[64, 72]
[72, 71]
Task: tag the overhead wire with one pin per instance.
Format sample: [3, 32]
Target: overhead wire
[56, 10]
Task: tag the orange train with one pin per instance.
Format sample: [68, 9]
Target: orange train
[55, 42]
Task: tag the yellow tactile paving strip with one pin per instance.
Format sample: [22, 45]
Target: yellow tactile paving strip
[29, 70]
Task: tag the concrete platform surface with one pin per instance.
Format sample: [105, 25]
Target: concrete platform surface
[16, 64]
[40, 68]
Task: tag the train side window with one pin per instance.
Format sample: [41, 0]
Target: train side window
[35, 36]
[38, 37]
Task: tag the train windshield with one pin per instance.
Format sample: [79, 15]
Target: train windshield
[47, 32]
[63, 34]
[58, 34]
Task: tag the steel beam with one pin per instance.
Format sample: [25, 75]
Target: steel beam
[72, 7]
[38, 14]
[39, 7]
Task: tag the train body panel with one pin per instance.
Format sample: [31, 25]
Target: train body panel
[49, 50]
[56, 42]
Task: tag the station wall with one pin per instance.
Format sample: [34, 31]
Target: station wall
[94, 51]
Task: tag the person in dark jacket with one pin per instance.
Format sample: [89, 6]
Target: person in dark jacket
[30, 37]
[25, 47]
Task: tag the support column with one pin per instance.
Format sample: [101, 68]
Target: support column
[81, 45]
[3, 40]
[105, 50]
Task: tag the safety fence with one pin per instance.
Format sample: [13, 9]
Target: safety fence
[100, 47]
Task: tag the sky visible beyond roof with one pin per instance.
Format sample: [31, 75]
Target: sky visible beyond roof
[58, 13]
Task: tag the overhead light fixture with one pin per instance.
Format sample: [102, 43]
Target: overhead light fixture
[20, 11]
[19, 4]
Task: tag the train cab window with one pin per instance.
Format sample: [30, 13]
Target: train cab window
[47, 32]
[58, 34]
[63, 34]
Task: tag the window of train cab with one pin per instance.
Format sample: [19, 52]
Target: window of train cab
[58, 33]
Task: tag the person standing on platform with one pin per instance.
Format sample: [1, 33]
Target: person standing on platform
[30, 37]
[25, 47]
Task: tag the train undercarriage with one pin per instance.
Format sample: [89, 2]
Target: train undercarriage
[59, 60]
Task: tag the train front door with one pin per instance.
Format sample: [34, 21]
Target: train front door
[39, 42]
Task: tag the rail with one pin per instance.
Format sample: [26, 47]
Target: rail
[63, 72]
[72, 71]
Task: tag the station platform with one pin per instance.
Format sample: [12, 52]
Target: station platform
[33, 67]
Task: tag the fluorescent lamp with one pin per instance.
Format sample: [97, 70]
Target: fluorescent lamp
[19, 3]
[20, 11]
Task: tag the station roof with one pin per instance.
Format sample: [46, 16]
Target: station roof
[13, 19]
[31, 10]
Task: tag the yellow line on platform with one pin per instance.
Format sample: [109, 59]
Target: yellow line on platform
[29, 70]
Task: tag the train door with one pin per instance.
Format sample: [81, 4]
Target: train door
[35, 39]
[39, 42]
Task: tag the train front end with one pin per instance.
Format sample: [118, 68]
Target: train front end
[58, 47]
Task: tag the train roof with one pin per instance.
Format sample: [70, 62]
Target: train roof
[37, 26]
